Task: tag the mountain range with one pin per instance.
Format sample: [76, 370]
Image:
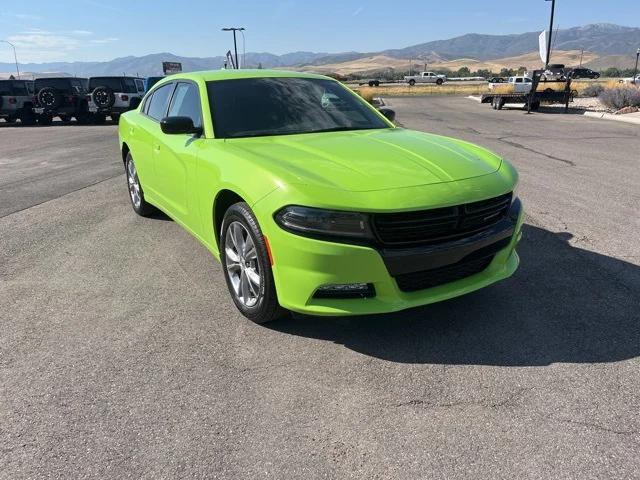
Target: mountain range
[603, 40]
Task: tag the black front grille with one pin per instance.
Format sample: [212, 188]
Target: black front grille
[411, 282]
[439, 224]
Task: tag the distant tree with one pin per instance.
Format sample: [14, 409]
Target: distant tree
[521, 70]
[259, 65]
[464, 72]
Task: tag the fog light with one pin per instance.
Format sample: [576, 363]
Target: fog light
[347, 290]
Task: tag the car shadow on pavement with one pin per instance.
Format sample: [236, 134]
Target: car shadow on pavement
[564, 304]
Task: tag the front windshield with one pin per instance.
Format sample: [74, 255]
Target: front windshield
[253, 107]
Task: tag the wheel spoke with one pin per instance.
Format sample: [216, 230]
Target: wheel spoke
[244, 287]
[232, 255]
[253, 276]
[249, 249]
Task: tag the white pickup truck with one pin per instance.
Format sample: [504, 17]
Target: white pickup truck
[520, 84]
[425, 77]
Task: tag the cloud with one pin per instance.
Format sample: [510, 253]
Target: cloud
[27, 16]
[357, 11]
[47, 41]
[82, 33]
[103, 41]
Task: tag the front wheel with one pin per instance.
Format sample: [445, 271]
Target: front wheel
[247, 266]
[412, 82]
[136, 195]
[439, 81]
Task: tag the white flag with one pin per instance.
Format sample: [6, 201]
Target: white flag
[542, 42]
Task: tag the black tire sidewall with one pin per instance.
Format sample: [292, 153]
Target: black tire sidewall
[267, 308]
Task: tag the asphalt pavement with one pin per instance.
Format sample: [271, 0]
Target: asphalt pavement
[122, 355]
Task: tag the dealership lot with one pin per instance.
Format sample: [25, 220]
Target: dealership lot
[122, 355]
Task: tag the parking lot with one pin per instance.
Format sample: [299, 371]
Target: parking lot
[122, 355]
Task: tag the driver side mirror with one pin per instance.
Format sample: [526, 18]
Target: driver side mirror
[388, 113]
[179, 125]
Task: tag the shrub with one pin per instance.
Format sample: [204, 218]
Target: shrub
[621, 97]
[592, 90]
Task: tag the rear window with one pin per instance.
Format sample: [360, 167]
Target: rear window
[18, 88]
[65, 85]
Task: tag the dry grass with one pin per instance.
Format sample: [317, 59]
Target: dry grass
[451, 88]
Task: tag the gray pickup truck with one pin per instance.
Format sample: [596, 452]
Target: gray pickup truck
[16, 101]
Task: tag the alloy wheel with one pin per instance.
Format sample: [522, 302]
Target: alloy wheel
[134, 184]
[241, 264]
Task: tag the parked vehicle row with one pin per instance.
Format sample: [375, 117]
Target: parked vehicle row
[87, 100]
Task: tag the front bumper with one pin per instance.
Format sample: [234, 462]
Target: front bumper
[302, 264]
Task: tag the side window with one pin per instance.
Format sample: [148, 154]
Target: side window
[159, 101]
[145, 104]
[128, 85]
[518, 80]
[186, 103]
[140, 85]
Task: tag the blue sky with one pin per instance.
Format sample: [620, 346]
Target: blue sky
[68, 30]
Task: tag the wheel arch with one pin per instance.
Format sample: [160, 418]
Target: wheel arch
[125, 152]
[223, 200]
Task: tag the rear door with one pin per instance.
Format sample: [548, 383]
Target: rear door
[176, 155]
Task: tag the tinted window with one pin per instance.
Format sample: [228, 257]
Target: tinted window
[159, 102]
[113, 83]
[129, 85]
[186, 103]
[61, 84]
[79, 85]
[251, 107]
[20, 89]
[140, 85]
[5, 88]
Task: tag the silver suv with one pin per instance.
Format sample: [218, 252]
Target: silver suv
[114, 95]
[16, 101]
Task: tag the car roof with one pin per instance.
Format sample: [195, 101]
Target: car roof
[213, 75]
[61, 78]
[116, 76]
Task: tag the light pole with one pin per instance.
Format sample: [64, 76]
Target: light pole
[553, 8]
[244, 50]
[235, 45]
[635, 70]
[15, 57]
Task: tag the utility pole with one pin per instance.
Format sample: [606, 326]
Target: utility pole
[635, 70]
[15, 57]
[553, 8]
[581, 54]
[235, 45]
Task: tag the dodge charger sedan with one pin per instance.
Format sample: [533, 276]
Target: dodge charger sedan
[313, 200]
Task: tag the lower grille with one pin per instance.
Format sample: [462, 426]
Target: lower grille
[411, 282]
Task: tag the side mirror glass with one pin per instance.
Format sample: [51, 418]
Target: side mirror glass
[388, 113]
[178, 125]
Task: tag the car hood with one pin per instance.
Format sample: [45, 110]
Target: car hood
[368, 160]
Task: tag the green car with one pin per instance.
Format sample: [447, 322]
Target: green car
[313, 200]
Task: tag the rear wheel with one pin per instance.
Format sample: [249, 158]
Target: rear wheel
[65, 118]
[136, 194]
[412, 82]
[45, 120]
[27, 117]
[500, 103]
[247, 267]
[115, 117]
[439, 81]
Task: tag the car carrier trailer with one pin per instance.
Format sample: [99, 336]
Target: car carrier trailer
[540, 92]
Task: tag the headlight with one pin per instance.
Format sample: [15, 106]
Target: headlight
[331, 223]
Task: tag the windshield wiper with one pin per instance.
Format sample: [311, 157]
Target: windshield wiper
[340, 129]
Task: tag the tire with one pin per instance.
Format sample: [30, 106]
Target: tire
[376, 83]
[10, 119]
[412, 82]
[500, 103]
[64, 118]
[103, 97]
[439, 81]
[136, 194]
[27, 117]
[256, 300]
[535, 106]
[48, 97]
[45, 120]
[99, 118]
[115, 117]
[372, 83]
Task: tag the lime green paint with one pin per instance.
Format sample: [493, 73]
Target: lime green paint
[383, 170]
